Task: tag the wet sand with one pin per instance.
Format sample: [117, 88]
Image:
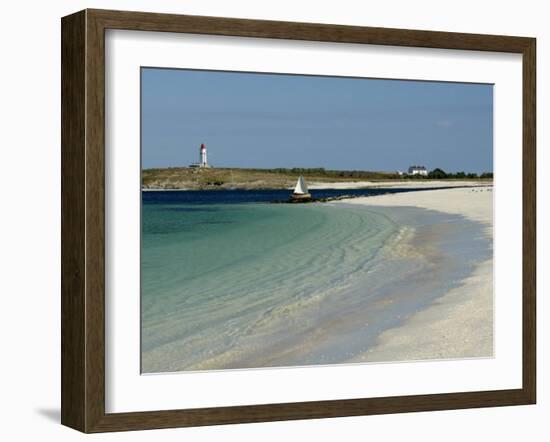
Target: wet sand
[411, 280]
[460, 323]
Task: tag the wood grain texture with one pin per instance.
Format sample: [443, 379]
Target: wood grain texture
[95, 222]
[83, 220]
[73, 130]
[145, 21]
[529, 220]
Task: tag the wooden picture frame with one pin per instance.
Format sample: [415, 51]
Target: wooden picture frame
[83, 220]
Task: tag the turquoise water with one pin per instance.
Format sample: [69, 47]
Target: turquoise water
[245, 285]
[211, 273]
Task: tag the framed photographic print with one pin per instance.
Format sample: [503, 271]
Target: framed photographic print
[270, 220]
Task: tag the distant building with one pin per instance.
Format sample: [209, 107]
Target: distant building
[203, 158]
[418, 170]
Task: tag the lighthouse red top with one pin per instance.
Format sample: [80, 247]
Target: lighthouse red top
[203, 146]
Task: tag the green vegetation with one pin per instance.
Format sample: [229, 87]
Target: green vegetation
[440, 174]
[280, 178]
[340, 175]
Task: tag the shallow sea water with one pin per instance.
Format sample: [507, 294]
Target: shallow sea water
[245, 285]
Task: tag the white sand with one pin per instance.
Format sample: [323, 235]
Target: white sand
[475, 203]
[459, 324]
[395, 183]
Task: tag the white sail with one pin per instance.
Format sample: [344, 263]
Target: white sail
[301, 187]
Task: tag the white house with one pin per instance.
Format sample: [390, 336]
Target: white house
[418, 170]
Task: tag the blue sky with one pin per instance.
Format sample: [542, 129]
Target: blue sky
[275, 120]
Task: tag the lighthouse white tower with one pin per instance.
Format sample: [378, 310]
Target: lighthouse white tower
[204, 160]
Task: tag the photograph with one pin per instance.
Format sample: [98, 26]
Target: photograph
[306, 220]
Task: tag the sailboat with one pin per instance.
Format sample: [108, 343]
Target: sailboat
[300, 191]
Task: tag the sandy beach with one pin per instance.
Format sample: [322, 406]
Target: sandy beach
[460, 323]
[392, 277]
[422, 184]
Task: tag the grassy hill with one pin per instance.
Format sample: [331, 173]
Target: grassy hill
[224, 178]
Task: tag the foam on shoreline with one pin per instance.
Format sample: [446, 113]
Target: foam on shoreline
[460, 323]
[346, 325]
[394, 277]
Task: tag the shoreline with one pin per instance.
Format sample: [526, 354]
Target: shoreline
[383, 307]
[420, 183]
[458, 324]
[338, 185]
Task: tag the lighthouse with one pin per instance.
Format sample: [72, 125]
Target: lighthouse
[204, 160]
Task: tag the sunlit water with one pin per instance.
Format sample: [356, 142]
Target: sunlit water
[228, 283]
